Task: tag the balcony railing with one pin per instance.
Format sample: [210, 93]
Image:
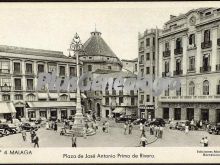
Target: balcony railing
[29, 72]
[218, 67]
[177, 72]
[4, 71]
[166, 53]
[191, 70]
[206, 45]
[17, 88]
[218, 41]
[205, 69]
[141, 49]
[178, 51]
[5, 88]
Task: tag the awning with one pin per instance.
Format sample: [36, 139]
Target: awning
[119, 110]
[53, 95]
[7, 108]
[42, 95]
[50, 104]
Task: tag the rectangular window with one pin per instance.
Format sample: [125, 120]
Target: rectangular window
[153, 41]
[40, 68]
[132, 100]
[62, 70]
[147, 56]
[142, 59]
[29, 69]
[109, 67]
[147, 70]
[191, 39]
[89, 68]
[142, 72]
[19, 97]
[107, 100]
[52, 68]
[191, 63]
[153, 55]
[6, 82]
[121, 100]
[147, 98]
[153, 69]
[178, 92]
[17, 67]
[17, 82]
[30, 85]
[6, 97]
[167, 47]
[218, 89]
[177, 113]
[148, 42]
[72, 71]
[4, 66]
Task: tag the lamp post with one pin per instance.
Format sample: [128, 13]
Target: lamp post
[77, 47]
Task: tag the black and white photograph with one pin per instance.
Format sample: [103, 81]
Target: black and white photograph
[81, 75]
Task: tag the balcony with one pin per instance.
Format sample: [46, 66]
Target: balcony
[208, 98]
[17, 72]
[165, 74]
[190, 70]
[5, 88]
[205, 69]
[218, 41]
[18, 88]
[53, 91]
[218, 67]
[166, 53]
[177, 72]
[30, 88]
[178, 51]
[4, 71]
[141, 62]
[141, 49]
[206, 45]
[29, 72]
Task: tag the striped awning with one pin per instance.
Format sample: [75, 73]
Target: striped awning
[119, 110]
[7, 108]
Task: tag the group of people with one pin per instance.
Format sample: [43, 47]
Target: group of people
[105, 126]
[204, 142]
[156, 130]
[51, 125]
[33, 135]
[128, 126]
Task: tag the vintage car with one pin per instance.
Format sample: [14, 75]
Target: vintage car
[158, 122]
[182, 124]
[8, 128]
[29, 126]
[124, 118]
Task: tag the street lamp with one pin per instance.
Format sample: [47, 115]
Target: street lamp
[77, 47]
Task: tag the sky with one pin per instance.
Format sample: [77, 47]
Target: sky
[51, 26]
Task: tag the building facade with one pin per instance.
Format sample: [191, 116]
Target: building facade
[147, 57]
[189, 49]
[19, 72]
[130, 65]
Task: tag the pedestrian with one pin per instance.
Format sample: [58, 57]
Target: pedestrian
[36, 141]
[24, 135]
[151, 129]
[32, 135]
[161, 131]
[47, 126]
[84, 132]
[156, 131]
[202, 142]
[107, 126]
[141, 126]
[200, 124]
[74, 140]
[206, 142]
[130, 127]
[125, 128]
[55, 126]
[143, 140]
[186, 129]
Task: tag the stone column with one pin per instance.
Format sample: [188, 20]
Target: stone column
[48, 113]
[59, 114]
[197, 113]
[172, 47]
[184, 61]
[183, 113]
[214, 48]
[171, 113]
[198, 57]
[37, 114]
[67, 70]
[160, 60]
[23, 81]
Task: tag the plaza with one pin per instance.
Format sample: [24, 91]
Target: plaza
[115, 138]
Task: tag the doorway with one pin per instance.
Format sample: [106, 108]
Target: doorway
[218, 115]
[190, 114]
[19, 112]
[205, 114]
[106, 113]
[98, 112]
[165, 113]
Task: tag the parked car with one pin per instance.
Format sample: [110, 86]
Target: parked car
[2, 132]
[173, 124]
[138, 121]
[28, 126]
[157, 122]
[214, 129]
[8, 128]
[181, 124]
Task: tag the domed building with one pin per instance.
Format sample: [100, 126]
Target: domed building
[99, 59]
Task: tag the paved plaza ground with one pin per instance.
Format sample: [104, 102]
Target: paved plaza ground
[115, 138]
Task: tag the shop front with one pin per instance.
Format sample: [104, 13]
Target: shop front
[7, 110]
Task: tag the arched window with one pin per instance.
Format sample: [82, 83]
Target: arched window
[63, 98]
[31, 97]
[206, 87]
[167, 67]
[191, 88]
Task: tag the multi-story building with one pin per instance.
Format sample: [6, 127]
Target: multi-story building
[147, 67]
[19, 69]
[130, 65]
[99, 59]
[189, 49]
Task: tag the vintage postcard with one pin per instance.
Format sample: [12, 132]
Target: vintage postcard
[110, 82]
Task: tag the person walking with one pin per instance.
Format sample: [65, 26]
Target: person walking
[47, 125]
[130, 127]
[206, 142]
[32, 133]
[125, 128]
[151, 129]
[24, 135]
[202, 142]
[36, 141]
[55, 126]
[156, 131]
[141, 126]
[74, 140]
[161, 131]
[107, 126]
[186, 129]
[103, 127]
[143, 140]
